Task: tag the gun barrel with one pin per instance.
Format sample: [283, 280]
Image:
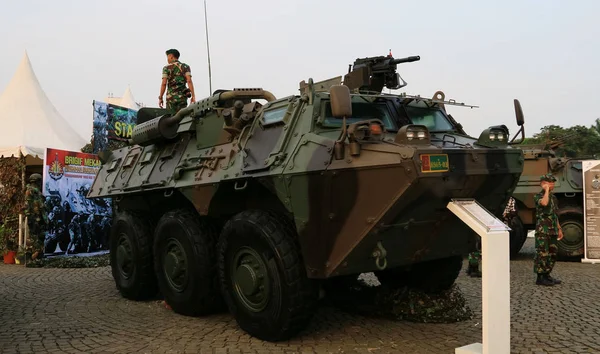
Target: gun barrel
[405, 60]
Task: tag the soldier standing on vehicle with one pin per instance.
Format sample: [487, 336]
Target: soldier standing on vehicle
[36, 213]
[176, 74]
[547, 231]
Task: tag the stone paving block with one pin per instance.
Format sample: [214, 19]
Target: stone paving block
[80, 310]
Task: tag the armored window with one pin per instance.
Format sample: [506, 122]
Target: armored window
[274, 116]
[432, 118]
[361, 111]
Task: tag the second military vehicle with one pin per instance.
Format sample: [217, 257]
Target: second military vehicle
[258, 204]
[542, 159]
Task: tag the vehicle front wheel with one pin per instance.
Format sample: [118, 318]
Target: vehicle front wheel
[262, 276]
[572, 245]
[131, 256]
[518, 236]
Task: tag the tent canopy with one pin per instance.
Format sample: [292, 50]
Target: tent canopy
[30, 121]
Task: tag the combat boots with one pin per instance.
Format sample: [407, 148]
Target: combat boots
[554, 280]
[473, 271]
[543, 279]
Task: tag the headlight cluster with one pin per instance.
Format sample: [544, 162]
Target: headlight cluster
[498, 135]
[414, 134]
[493, 136]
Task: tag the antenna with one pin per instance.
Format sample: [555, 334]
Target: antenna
[207, 51]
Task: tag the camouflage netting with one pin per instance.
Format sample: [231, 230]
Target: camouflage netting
[402, 303]
[71, 262]
[11, 196]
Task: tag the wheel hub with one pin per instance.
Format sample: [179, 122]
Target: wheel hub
[250, 280]
[246, 279]
[572, 233]
[175, 265]
[124, 257]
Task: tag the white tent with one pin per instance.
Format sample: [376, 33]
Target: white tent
[30, 122]
[126, 101]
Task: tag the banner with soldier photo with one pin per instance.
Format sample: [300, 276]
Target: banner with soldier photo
[75, 224]
[112, 123]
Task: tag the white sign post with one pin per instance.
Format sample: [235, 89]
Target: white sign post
[495, 276]
[591, 211]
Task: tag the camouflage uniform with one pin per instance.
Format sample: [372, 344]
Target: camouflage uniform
[474, 260]
[35, 211]
[176, 73]
[546, 233]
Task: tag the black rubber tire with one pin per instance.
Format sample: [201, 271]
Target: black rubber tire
[137, 231]
[518, 236]
[430, 276]
[292, 307]
[571, 216]
[200, 292]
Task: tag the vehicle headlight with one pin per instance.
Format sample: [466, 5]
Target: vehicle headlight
[413, 134]
[493, 136]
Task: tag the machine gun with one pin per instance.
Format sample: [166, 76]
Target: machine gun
[368, 75]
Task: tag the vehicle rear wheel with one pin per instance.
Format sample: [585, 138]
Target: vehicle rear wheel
[431, 276]
[572, 244]
[262, 276]
[131, 256]
[185, 263]
[518, 236]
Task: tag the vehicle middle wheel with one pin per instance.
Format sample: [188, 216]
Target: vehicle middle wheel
[262, 276]
[185, 263]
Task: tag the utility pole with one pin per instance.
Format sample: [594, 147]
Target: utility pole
[207, 51]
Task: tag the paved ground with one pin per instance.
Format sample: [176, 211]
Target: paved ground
[79, 310]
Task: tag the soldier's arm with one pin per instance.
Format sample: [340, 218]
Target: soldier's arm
[187, 71]
[546, 198]
[163, 85]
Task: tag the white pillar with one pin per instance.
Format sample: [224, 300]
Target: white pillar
[495, 279]
[20, 230]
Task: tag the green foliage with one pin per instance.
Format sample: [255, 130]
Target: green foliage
[12, 199]
[71, 262]
[7, 239]
[575, 141]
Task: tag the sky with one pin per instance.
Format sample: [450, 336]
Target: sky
[484, 53]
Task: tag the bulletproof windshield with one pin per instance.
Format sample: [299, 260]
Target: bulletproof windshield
[432, 118]
[361, 111]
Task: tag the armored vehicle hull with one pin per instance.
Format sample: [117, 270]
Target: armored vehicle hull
[262, 203]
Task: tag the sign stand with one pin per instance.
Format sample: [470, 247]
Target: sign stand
[591, 211]
[495, 276]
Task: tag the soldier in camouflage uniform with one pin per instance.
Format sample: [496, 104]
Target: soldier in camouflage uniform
[176, 74]
[547, 231]
[474, 259]
[35, 211]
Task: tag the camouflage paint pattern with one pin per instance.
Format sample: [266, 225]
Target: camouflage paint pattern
[284, 159]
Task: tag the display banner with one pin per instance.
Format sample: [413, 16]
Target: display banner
[591, 213]
[75, 223]
[111, 122]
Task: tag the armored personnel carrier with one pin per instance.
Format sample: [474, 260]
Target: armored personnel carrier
[541, 159]
[256, 201]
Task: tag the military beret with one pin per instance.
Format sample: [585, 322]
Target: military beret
[548, 178]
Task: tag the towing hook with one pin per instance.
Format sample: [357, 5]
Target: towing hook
[380, 256]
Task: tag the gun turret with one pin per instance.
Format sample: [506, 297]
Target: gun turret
[371, 74]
